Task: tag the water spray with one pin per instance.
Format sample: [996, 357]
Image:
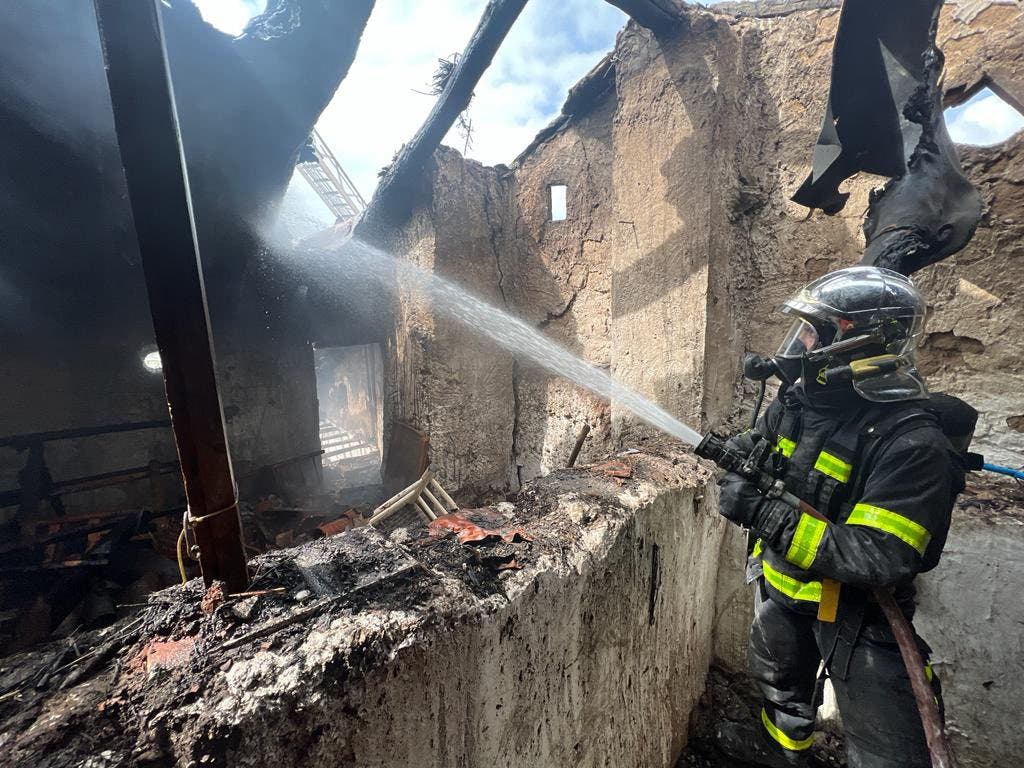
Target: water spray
[511, 333]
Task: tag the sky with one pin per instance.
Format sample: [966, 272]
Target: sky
[983, 120]
[377, 108]
[553, 44]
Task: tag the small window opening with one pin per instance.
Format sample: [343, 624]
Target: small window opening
[983, 120]
[348, 388]
[559, 205]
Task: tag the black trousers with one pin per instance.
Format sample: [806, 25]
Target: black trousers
[880, 718]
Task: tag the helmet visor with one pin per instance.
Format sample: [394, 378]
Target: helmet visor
[801, 339]
[905, 384]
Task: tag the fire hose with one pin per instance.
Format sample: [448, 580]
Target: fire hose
[753, 468]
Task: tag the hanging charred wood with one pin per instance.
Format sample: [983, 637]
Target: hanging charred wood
[932, 211]
[395, 196]
[147, 131]
[884, 116]
[655, 15]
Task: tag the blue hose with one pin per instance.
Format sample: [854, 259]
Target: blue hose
[1019, 474]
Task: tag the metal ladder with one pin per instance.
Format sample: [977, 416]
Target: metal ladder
[321, 169]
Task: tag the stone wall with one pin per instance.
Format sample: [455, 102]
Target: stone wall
[592, 653]
[974, 347]
[970, 614]
[439, 377]
[680, 154]
[561, 282]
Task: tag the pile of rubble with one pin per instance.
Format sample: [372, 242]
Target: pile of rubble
[340, 645]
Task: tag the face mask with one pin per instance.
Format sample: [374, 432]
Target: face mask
[789, 369]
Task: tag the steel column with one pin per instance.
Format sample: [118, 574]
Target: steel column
[146, 120]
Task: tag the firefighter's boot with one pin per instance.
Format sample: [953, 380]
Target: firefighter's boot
[749, 744]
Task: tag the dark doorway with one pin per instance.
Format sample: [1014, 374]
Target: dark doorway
[348, 386]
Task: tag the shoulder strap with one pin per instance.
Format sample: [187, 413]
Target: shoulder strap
[836, 462]
[880, 433]
[787, 434]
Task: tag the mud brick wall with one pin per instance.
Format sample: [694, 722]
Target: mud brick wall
[593, 653]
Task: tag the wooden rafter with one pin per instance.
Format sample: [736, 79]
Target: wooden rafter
[393, 200]
[656, 15]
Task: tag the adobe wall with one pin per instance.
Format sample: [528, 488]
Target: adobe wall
[441, 377]
[680, 154]
[591, 652]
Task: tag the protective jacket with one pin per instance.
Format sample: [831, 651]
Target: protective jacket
[885, 476]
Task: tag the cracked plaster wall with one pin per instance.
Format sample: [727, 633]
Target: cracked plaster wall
[681, 242]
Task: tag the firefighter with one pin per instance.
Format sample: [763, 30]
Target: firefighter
[855, 436]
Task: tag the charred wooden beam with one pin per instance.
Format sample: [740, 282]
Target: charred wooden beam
[395, 196]
[146, 122]
[656, 15]
[884, 115]
[932, 211]
[25, 440]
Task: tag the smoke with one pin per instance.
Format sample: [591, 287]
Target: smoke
[341, 273]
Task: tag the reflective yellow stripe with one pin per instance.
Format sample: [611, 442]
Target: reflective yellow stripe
[785, 446]
[758, 549]
[833, 466]
[901, 527]
[928, 673]
[797, 590]
[804, 546]
[787, 742]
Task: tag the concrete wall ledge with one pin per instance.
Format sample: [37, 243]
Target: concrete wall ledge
[593, 653]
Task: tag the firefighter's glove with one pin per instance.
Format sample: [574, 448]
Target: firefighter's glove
[739, 500]
[744, 442]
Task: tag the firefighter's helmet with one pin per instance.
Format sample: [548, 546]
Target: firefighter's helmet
[853, 314]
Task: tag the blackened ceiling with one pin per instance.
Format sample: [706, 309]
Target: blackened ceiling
[246, 104]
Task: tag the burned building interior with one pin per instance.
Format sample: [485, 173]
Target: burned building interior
[417, 488]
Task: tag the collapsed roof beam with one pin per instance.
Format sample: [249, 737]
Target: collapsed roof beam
[146, 122]
[394, 199]
[656, 15]
[884, 115]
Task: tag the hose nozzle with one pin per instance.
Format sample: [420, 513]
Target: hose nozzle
[758, 368]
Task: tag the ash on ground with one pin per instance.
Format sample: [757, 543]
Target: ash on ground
[733, 698]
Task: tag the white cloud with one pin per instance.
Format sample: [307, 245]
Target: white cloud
[376, 108]
[983, 120]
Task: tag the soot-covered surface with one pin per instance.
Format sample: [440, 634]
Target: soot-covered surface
[190, 673]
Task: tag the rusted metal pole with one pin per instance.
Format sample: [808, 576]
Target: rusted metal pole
[146, 120]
